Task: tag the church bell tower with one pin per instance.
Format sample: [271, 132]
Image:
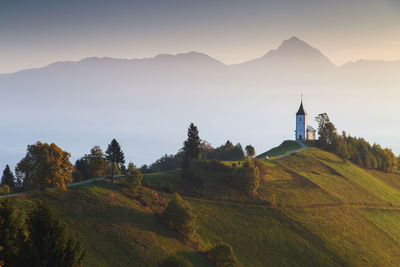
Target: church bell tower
[301, 123]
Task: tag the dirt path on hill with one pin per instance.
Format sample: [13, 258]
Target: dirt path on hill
[54, 188]
[303, 146]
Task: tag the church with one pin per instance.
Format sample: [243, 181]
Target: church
[303, 131]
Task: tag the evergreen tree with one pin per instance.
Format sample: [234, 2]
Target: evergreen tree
[191, 150]
[114, 155]
[11, 235]
[47, 242]
[192, 145]
[8, 178]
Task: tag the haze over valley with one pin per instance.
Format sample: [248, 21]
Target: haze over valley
[147, 103]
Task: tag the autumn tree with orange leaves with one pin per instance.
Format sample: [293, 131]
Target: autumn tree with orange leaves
[45, 165]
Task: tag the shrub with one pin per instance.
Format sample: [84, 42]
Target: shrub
[179, 216]
[247, 178]
[175, 261]
[222, 256]
[134, 176]
[4, 190]
[215, 165]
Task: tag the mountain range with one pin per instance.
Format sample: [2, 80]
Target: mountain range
[148, 103]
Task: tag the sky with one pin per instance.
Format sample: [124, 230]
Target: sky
[37, 33]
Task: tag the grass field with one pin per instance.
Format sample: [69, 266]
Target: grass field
[311, 209]
[285, 147]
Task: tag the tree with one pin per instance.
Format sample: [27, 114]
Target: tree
[175, 261]
[178, 216]
[97, 163]
[222, 256]
[114, 155]
[91, 165]
[11, 235]
[45, 165]
[192, 145]
[39, 240]
[47, 243]
[326, 131]
[8, 178]
[191, 150]
[134, 175]
[247, 178]
[250, 151]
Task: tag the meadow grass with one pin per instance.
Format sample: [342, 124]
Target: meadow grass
[285, 147]
[311, 209]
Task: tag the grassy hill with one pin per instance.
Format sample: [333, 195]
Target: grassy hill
[285, 147]
[312, 209]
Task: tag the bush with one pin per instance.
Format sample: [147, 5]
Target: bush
[247, 179]
[222, 256]
[215, 165]
[4, 190]
[134, 176]
[179, 217]
[175, 261]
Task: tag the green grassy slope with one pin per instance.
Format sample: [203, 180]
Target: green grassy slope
[285, 147]
[312, 209]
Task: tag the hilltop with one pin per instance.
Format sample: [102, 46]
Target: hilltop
[312, 208]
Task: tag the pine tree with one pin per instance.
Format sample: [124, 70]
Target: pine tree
[191, 150]
[192, 145]
[8, 178]
[11, 235]
[47, 243]
[114, 155]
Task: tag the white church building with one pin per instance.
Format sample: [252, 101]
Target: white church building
[303, 131]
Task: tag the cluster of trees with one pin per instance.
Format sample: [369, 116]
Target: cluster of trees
[165, 163]
[8, 182]
[357, 150]
[47, 165]
[99, 164]
[228, 151]
[196, 149]
[38, 239]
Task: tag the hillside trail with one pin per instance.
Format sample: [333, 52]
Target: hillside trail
[303, 146]
[54, 188]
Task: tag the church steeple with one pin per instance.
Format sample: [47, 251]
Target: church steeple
[301, 122]
[301, 110]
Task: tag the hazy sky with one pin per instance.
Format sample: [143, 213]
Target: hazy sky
[35, 33]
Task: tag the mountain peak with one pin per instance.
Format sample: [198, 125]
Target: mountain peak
[295, 45]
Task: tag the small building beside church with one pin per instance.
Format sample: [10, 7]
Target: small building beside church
[303, 131]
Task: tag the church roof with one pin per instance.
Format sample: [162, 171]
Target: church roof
[301, 110]
[309, 128]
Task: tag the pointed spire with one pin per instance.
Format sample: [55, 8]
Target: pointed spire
[301, 110]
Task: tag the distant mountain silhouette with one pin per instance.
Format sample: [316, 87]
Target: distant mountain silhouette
[291, 54]
[148, 103]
